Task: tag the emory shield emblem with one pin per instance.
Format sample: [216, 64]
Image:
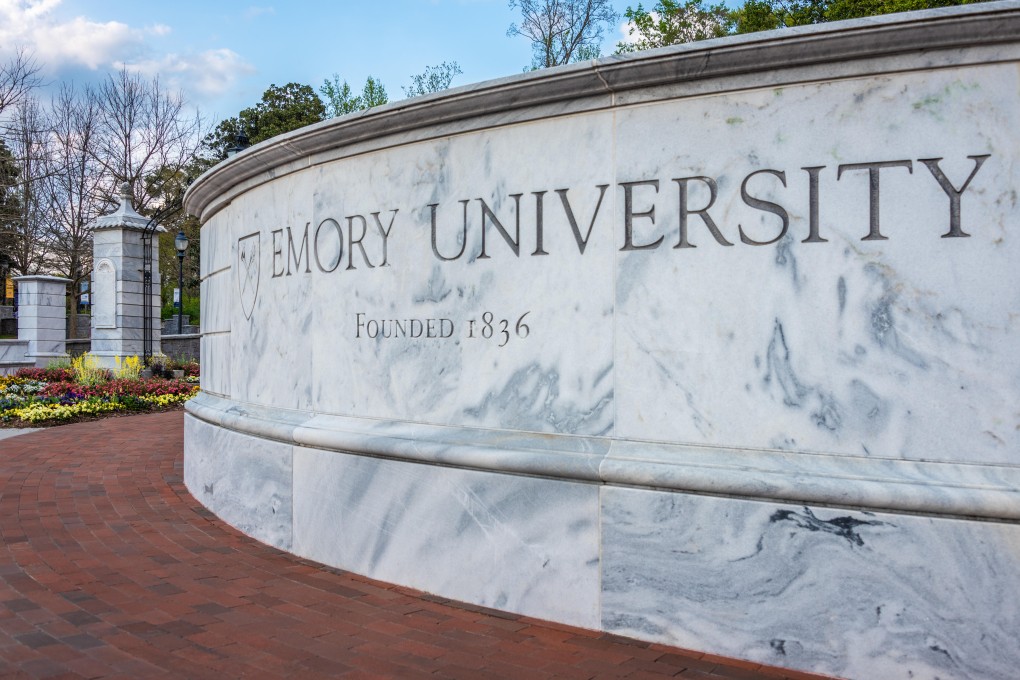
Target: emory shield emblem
[248, 248]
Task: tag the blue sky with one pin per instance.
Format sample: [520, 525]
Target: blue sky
[223, 53]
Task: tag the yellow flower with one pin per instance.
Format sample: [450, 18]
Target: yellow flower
[87, 370]
[130, 369]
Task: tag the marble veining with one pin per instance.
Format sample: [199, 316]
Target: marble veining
[853, 594]
[514, 543]
[725, 361]
[835, 345]
[245, 480]
[836, 342]
[961, 489]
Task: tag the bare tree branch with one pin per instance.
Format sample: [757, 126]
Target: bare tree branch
[17, 77]
[562, 31]
[75, 196]
[29, 140]
[143, 131]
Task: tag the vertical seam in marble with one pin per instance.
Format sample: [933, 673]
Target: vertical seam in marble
[293, 526]
[612, 378]
[616, 283]
[601, 564]
[612, 92]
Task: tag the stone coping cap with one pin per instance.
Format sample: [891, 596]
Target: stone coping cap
[596, 85]
[52, 279]
[972, 490]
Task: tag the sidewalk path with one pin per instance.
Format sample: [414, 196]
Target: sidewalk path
[110, 569]
[7, 432]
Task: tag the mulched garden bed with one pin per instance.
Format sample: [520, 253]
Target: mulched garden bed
[43, 397]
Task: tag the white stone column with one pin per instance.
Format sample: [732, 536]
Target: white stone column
[117, 284]
[42, 317]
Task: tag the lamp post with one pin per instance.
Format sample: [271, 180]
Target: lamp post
[240, 144]
[181, 243]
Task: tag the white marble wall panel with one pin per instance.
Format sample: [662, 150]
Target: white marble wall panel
[303, 339]
[128, 334]
[514, 543]
[106, 244]
[844, 346]
[217, 363]
[245, 480]
[847, 593]
[104, 293]
[43, 324]
[218, 295]
[104, 346]
[41, 319]
[14, 351]
[276, 342]
[218, 241]
[845, 338]
[126, 289]
[900, 348]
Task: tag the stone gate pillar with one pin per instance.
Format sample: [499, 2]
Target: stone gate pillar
[42, 317]
[117, 285]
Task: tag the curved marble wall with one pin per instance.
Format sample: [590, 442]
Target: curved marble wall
[712, 345]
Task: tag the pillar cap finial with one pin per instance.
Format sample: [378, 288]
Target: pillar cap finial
[125, 216]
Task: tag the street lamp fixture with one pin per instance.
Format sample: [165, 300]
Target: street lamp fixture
[241, 143]
[181, 244]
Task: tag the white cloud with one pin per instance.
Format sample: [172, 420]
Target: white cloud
[207, 74]
[72, 48]
[84, 42]
[79, 42]
[625, 35]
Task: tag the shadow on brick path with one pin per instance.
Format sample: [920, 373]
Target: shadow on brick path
[110, 569]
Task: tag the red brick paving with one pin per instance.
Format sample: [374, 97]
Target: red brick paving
[110, 569]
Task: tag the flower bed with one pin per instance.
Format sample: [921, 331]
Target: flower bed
[49, 396]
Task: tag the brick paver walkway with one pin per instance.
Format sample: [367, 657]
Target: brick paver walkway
[111, 569]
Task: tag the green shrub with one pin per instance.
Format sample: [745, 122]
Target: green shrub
[192, 308]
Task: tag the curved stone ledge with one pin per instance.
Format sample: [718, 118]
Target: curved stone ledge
[978, 491]
[649, 350]
[843, 49]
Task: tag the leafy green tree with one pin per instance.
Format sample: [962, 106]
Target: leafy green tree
[765, 15]
[167, 186]
[341, 100]
[671, 23]
[761, 15]
[282, 109]
[562, 31]
[373, 94]
[586, 53]
[434, 79]
[339, 97]
[287, 108]
[756, 15]
[853, 9]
